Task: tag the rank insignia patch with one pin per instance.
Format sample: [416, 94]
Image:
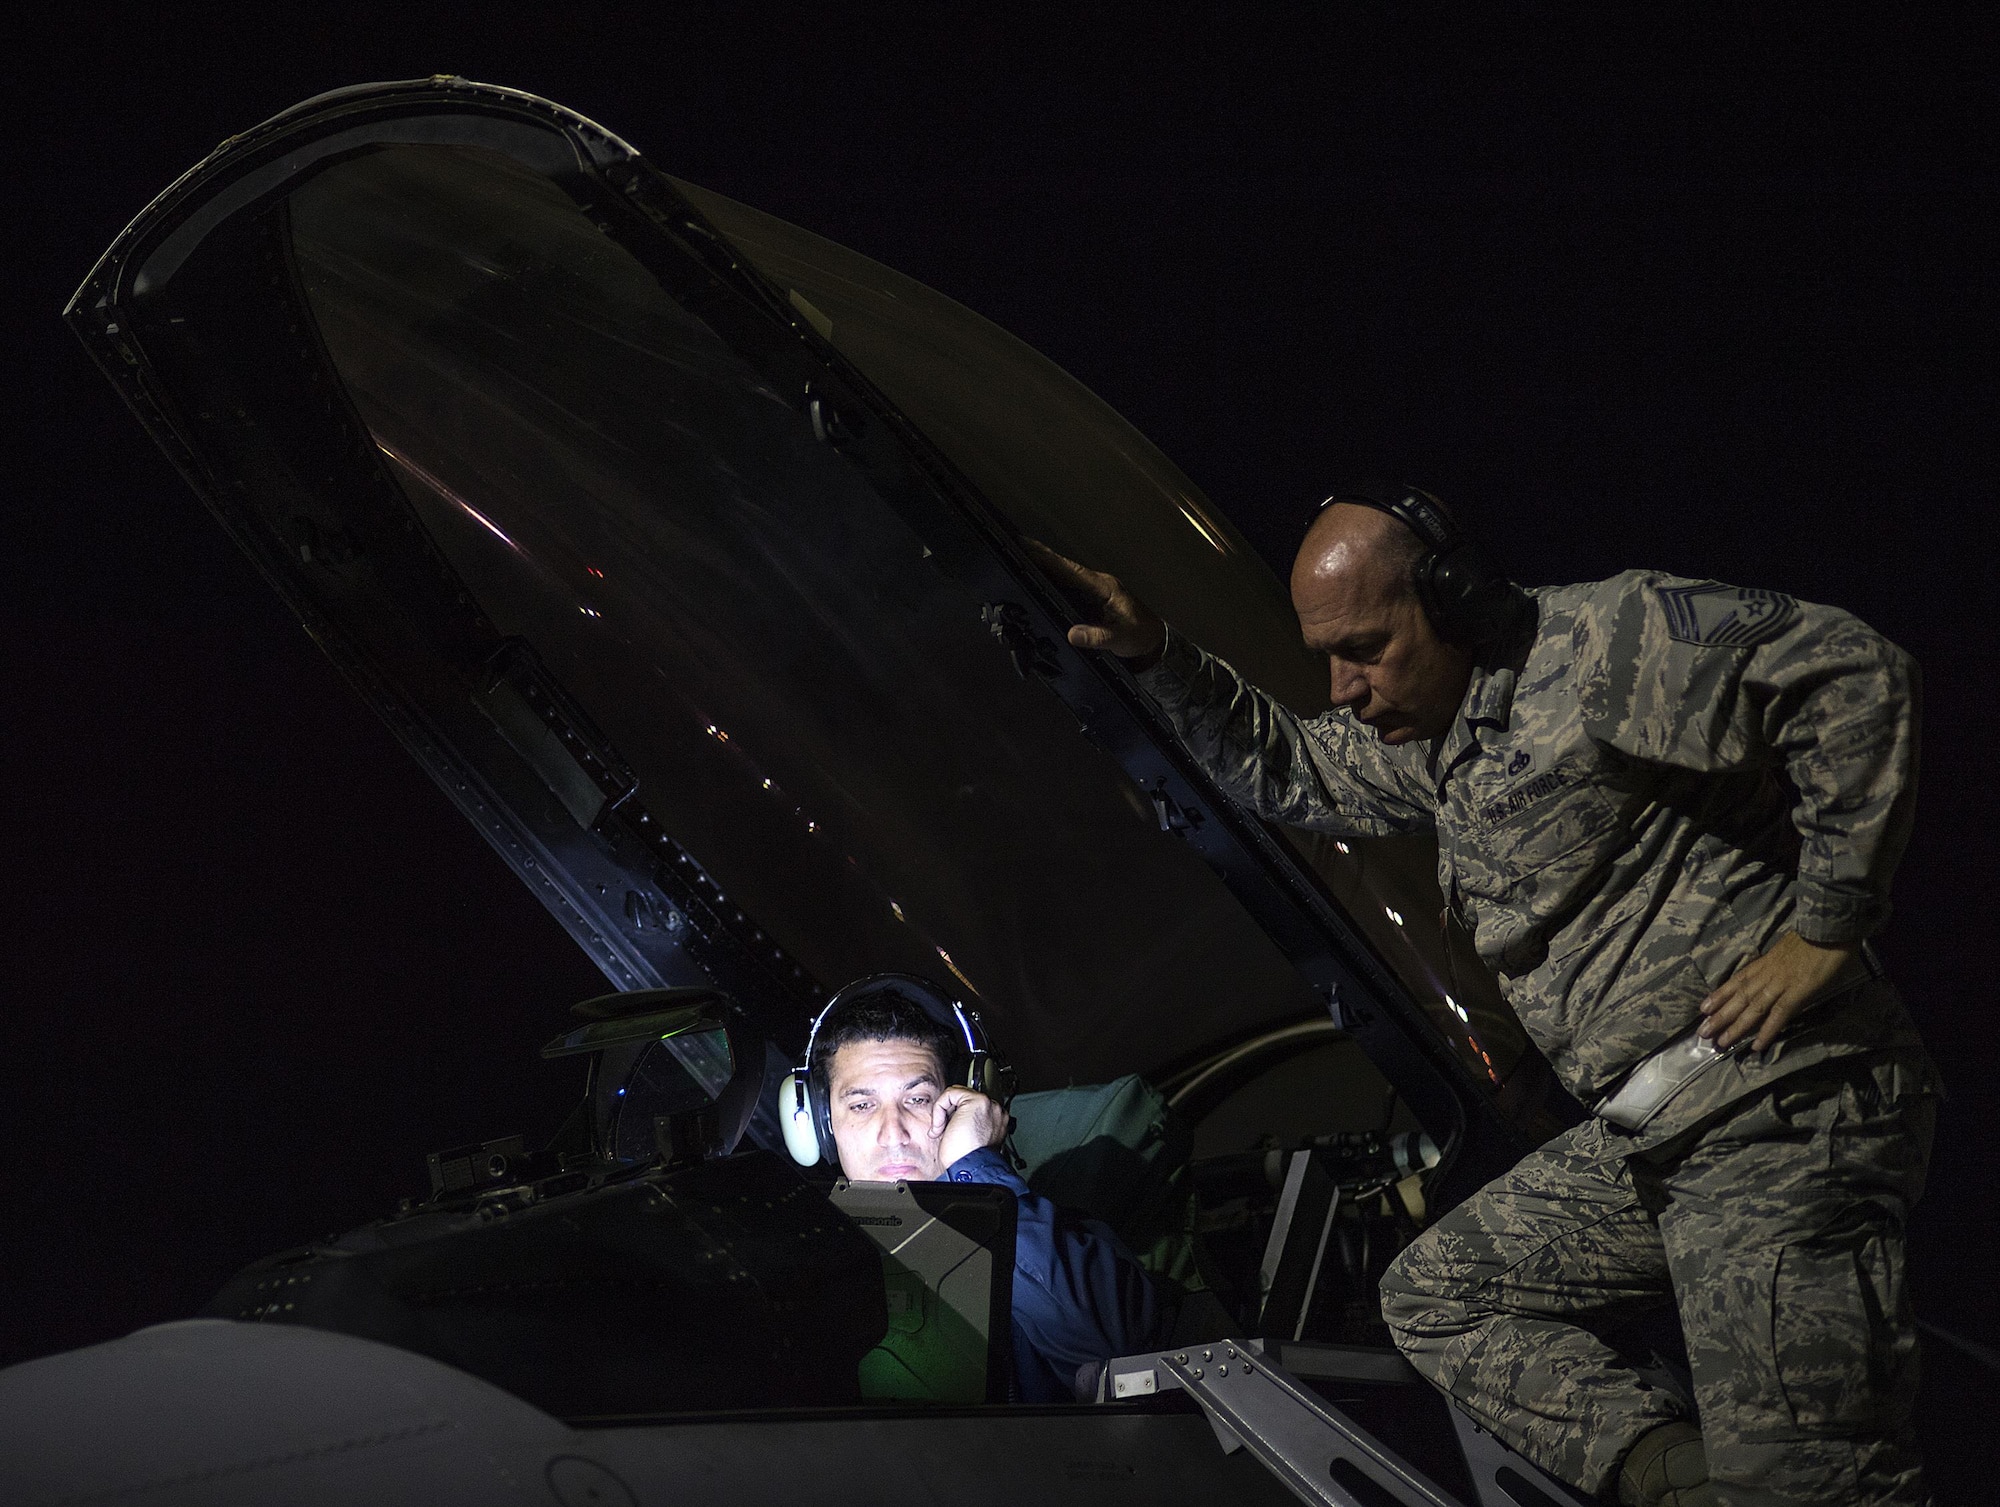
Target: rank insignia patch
[1731, 617]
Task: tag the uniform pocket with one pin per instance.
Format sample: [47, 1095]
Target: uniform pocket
[1556, 821]
[1843, 1345]
[1843, 1334]
[1531, 855]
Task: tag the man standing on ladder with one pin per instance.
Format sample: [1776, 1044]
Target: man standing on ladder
[1669, 812]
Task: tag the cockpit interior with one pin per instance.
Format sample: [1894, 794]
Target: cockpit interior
[1263, 1185]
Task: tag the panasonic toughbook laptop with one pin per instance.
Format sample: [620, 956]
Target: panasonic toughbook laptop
[948, 1282]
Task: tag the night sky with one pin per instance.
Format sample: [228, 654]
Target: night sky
[1716, 300]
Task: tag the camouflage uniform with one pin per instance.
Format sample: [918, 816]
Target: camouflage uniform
[1648, 789]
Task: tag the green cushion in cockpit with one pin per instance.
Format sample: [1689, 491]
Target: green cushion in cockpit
[1116, 1152]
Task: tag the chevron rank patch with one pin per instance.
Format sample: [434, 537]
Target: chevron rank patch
[1732, 617]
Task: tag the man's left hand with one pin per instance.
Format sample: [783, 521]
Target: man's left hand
[1766, 992]
[962, 1121]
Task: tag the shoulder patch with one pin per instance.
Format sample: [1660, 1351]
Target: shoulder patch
[1730, 617]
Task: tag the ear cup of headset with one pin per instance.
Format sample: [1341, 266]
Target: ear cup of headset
[798, 1115]
[1461, 587]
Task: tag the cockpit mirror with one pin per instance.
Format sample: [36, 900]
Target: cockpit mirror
[675, 1074]
[642, 1015]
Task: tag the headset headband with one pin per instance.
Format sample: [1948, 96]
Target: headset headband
[1417, 510]
[903, 986]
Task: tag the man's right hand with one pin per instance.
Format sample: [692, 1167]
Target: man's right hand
[1114, 620]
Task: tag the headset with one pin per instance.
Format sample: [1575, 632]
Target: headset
[1464, 593]
[802, 1108]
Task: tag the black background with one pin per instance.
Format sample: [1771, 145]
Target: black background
[1713, 295]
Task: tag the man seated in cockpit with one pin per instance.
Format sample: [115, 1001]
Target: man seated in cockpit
[885, 1069]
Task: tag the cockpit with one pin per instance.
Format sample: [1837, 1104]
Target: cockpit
[657, 1254]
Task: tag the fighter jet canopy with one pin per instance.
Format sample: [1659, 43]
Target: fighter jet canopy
[684, 549]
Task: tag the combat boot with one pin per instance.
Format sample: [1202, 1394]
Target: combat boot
[1666, 1468]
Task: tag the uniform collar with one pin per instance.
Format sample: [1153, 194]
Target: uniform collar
[1488, 704]
[1489, 698]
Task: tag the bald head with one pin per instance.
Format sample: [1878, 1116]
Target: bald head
[1350, 547]
[1354, 592]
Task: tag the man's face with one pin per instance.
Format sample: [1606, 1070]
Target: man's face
[882, 1094]
[1356, 606]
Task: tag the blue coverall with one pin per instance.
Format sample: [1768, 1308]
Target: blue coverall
[1078, 1293]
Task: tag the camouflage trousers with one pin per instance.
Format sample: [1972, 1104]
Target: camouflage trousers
[1775, 1226]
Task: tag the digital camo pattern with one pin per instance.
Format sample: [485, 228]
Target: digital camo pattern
[1644, 793]
[1612, 806]
[1778, 1229]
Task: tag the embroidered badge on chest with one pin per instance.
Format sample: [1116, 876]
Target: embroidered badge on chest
[1520, 761]
[1732, 617]
[1529, 793]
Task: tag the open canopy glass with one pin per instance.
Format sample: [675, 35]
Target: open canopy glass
[683, 548]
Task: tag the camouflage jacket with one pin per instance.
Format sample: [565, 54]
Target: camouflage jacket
[1637, 796]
